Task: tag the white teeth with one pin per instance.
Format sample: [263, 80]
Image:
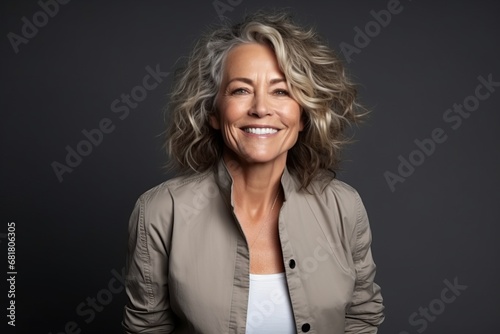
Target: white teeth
[261, 131]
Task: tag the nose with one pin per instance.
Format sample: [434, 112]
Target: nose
[260, 106]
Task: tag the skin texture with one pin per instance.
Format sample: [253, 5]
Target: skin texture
[254, 94]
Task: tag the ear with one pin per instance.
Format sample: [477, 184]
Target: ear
[213, 120]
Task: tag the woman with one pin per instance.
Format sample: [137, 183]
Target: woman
[257, 235]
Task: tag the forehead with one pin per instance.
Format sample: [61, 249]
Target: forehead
[251, 59]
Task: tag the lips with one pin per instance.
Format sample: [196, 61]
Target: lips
[260, 131]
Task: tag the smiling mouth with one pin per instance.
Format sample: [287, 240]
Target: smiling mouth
[260, 131]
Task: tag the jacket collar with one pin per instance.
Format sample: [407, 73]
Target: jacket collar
[225, 182]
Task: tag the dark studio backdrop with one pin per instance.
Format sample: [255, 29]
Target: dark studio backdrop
[77, 152]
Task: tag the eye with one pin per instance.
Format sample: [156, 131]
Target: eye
[239, 91]
[281, 92]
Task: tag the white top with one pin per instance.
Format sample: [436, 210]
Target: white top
[269, 307]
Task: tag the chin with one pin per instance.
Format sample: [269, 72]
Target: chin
[255, 156]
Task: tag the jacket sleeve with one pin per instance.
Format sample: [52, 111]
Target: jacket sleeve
[365, 313]
[148, 308]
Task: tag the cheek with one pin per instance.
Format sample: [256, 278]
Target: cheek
[295, 115]
[230, 111]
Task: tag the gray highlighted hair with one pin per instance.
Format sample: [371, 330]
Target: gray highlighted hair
[316, 78]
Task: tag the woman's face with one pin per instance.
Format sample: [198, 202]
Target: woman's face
[258, 118]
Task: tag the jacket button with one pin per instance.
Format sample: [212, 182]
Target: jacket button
[306, 327]
[292, 263]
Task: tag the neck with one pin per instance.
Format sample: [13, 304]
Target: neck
[255, 185]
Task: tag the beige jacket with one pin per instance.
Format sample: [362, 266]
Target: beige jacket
[188, 261]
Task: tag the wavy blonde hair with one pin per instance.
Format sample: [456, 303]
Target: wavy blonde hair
[316, 78]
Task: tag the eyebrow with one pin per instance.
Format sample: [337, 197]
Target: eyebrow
[250, 81]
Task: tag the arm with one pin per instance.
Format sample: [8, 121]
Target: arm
[365, 313]
[148, 308]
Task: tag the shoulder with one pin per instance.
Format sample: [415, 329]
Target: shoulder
[152, 218]
[328, 188]
[340, 200]
[159, 200]
[344, 204]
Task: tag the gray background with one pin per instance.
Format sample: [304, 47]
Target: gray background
[440, 224]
